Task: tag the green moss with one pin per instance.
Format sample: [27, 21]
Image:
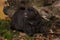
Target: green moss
[4, 29]
[8, 35]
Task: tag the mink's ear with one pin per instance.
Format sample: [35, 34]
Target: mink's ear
[9, 11]
[5, 10]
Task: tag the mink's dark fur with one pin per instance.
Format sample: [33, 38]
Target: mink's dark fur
[29, 21]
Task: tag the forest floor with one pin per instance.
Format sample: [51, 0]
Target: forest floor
[7, 34]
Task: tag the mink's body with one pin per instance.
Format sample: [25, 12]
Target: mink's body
[28, 21]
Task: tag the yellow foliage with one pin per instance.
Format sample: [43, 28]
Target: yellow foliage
[2, 16]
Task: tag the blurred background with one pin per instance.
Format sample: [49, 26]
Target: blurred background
[7, 34]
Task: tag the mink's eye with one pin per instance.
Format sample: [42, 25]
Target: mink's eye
[22, 8]
[23, 2]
